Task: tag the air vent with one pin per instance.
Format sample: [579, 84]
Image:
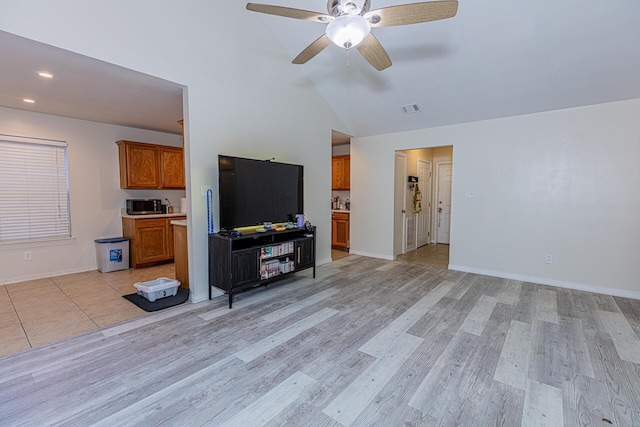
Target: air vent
[410, 108]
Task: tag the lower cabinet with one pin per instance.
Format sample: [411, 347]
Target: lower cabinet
[151, 239]
[305, 254]
[340, 230]
[237, 263]
[246, 266]
[181, 254]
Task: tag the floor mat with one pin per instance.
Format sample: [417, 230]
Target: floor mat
[159, 304]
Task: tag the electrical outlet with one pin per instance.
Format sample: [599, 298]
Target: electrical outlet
[204, 189]
[548, 259]
[27, 256]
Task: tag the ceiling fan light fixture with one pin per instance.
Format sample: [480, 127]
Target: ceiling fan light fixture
[348, 31]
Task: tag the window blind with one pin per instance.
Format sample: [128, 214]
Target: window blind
[34, 189]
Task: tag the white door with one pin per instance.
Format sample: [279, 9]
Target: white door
[411, 233]
[399, 204]
[443, 205]
[424, 216]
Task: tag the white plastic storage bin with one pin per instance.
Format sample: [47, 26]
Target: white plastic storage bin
[156, 289]
[112, 254]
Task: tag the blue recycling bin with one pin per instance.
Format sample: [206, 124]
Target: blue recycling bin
[112, 254]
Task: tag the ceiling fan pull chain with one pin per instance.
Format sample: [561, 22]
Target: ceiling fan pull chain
[348, 62]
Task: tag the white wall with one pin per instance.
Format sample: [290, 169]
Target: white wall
[244, 96]
[94, 188]
[563, 183]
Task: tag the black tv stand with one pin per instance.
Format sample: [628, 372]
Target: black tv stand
[238, 263]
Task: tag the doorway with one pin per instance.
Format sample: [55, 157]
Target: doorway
[425, 215]
[340, 194]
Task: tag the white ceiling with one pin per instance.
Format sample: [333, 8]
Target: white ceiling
[496, 58]
[85, 88]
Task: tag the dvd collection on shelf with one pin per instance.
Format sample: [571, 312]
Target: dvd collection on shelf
[277, 250]
[274, 267]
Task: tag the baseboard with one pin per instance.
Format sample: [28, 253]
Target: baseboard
[323, 261]
[371, 255]
[204, 296]
[550, 282]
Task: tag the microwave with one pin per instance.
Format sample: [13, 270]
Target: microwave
[144, 206]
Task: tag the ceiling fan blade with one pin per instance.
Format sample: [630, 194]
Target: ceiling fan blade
[374, 53]
[288, 12]
[414, 13]
[312, 50]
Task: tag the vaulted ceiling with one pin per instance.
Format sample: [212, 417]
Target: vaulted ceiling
[494, 59]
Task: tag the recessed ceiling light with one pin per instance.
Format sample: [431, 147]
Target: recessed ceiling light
[45, 74]
[410, 108]
[29, 100]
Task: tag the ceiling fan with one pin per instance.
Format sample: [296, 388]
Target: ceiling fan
[349, 24]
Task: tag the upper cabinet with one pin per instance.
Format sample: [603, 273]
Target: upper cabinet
[148, 166]
[340, 172]
[171, 167]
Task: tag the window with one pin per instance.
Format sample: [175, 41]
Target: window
[34, 189]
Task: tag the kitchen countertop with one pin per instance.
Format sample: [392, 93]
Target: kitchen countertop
[169, 215]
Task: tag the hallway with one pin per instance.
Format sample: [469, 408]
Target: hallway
[435, 254]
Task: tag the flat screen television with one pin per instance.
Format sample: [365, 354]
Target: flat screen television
[252, 192]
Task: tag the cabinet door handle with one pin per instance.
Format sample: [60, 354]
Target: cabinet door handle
[298, 255]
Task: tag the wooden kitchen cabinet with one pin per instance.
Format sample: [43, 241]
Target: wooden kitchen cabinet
[171, 237]
[341, 172]
[151, 239]
[181, 256]
[145, 165]
[171, 167]
[340, 230]
[171, 230]
[138, 165]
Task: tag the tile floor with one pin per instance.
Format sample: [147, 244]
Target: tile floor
[434, 254]
[42, 311]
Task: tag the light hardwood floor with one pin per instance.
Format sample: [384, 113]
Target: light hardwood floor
[368, 342]
[42, 311]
